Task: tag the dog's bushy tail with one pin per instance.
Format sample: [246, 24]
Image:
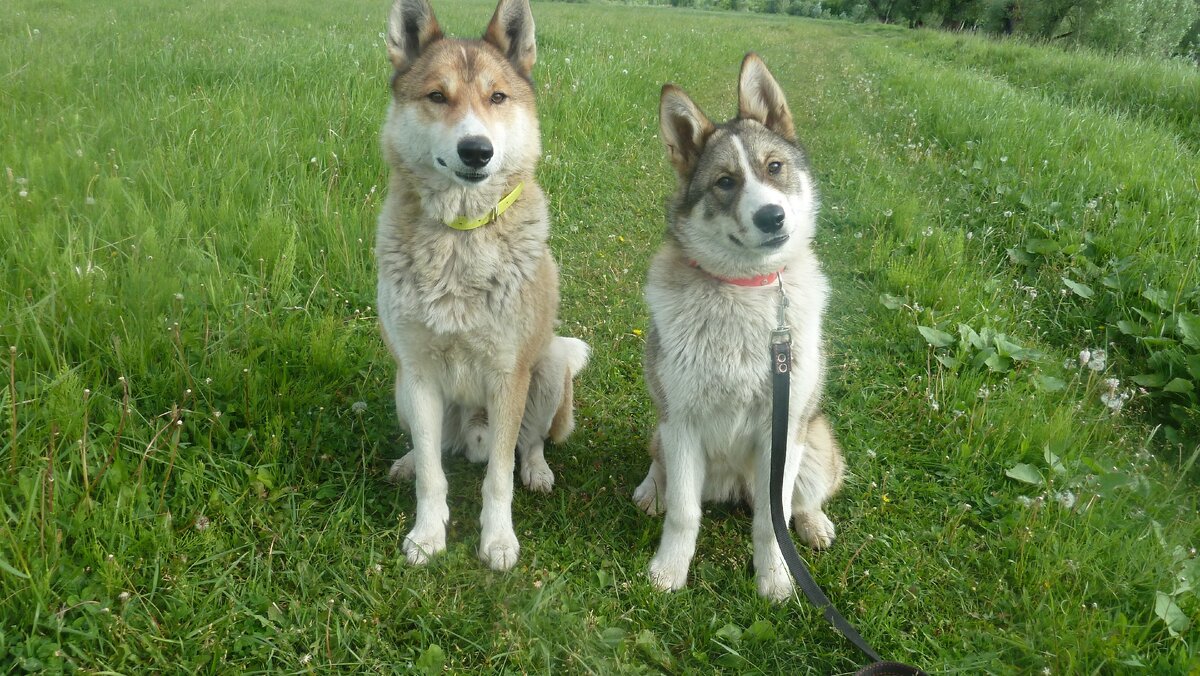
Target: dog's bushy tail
[572, 354]
[825, 451]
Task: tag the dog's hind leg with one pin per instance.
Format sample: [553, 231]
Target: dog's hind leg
[549, 409]
[821, 472]
[649, 495]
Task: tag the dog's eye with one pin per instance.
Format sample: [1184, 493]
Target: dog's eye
[436, 97]
[726, 183]
[774, 167]
[499, 97]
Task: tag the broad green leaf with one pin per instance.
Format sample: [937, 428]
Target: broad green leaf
[760, 632]
[730, 632]
[947, 361]
[998, 364]
[891, 302]
[1158, 297]
[969, 336]
[1129, 328]
[1150, 379]
[1168, 611]
[1107, 483]
[1026, 473]
[1193, 363]
[1048, 383]
[1042, 247]
[1053, 461]
[1178, 385]
[1005, 347]
[1189, 328]
[432, 660]
[1019, 256]
[1080, 289]
[1157, 343]
[936, 337]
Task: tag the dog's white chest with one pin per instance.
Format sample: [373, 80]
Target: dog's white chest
[714, 358]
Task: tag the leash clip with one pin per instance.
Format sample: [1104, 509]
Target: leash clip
[781, 338]
[782, 333]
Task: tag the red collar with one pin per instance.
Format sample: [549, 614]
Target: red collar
[757, 280]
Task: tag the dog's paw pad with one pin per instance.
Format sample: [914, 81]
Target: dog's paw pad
[500, 553]
[403, 469]
[815, 529]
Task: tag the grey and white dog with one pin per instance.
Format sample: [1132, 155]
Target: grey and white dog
[742, 219]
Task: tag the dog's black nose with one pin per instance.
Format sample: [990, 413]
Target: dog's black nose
[769, 218]
[475, 151]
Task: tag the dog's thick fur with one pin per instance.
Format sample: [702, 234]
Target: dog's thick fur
[745, 206]
[469, 315]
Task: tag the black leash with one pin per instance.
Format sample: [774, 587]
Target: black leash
[781, 367]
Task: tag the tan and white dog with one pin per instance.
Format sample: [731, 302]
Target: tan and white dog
[468, 290]
[742, 219]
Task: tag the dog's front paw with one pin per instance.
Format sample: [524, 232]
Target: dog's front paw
[775, 583]
[815, 529]
[404, 468]
[500, 550]
[423, 543]
[645, 496]
[537, 475]
[667, 575]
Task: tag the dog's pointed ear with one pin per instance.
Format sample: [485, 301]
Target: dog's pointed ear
[411, 27]
[511, 32]
[760, 98]
[684, 129]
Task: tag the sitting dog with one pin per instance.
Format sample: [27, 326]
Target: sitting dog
[468, 291]
[739, 231]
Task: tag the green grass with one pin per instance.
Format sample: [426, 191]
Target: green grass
[186, 219]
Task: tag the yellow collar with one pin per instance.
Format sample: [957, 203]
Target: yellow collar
[463, 223]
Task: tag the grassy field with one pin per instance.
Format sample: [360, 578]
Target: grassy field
[196, 412]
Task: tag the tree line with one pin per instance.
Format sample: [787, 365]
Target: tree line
[1162, 28]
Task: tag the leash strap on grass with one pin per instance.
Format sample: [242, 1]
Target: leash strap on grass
[781, 366]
